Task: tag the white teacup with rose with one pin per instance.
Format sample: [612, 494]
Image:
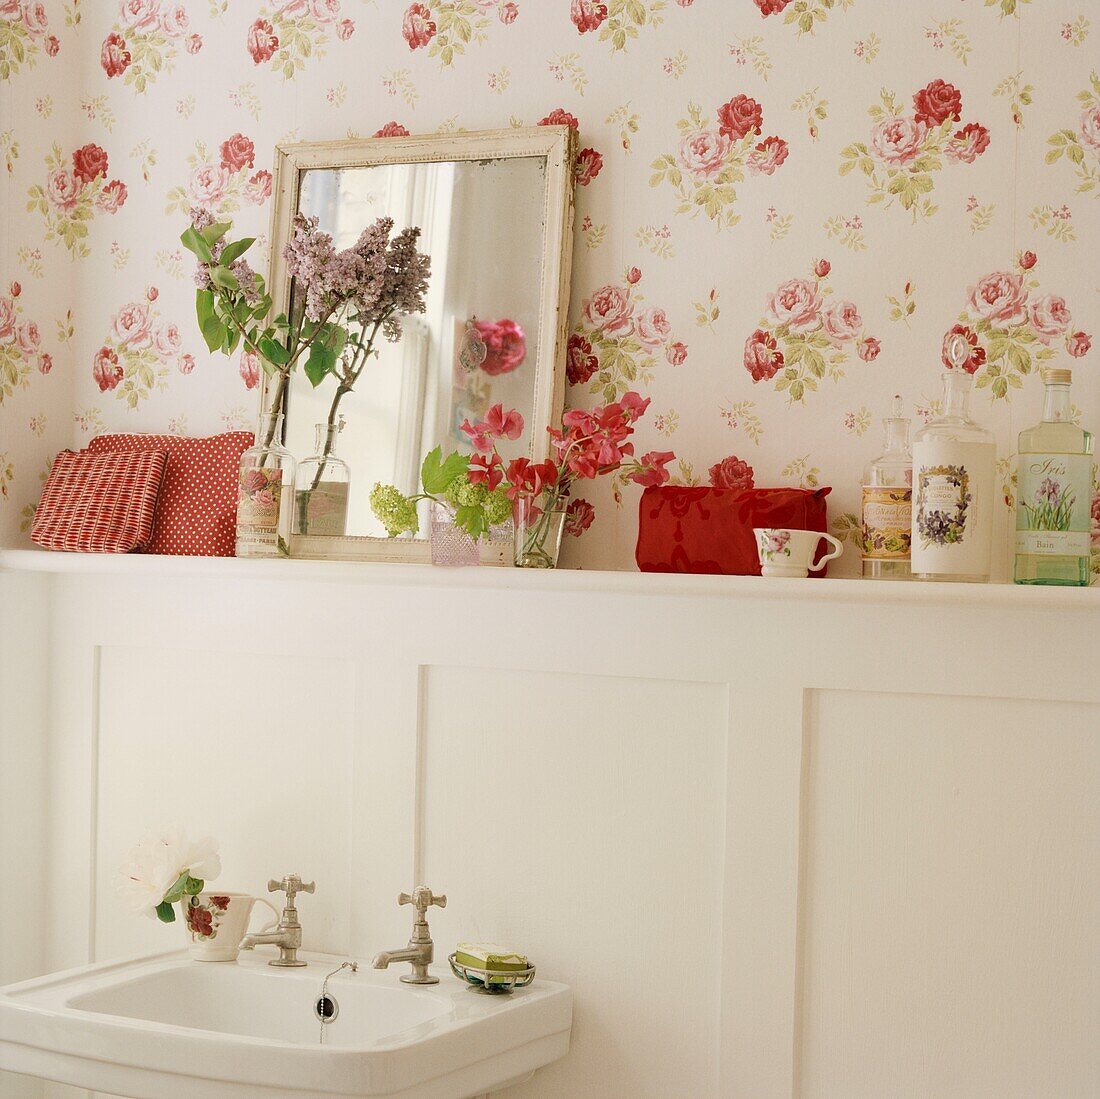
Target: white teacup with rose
[786, 552]
[216, 922]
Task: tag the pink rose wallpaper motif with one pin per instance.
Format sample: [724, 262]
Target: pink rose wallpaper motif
[715, 154]
[908, 147]
[618, 22]
[222, 179]
[804, 14]
[137, 355]
[24, 36]
[1080, 144]
[804, 337]
[589, 162]
[145, 41]
[75, 191]
[20, 343]
[620, 341]
[288, 35]
[1014, 329]
[447, 27]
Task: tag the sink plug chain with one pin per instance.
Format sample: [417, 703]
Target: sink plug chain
[326, 1009]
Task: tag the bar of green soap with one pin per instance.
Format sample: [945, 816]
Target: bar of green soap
[491, 957]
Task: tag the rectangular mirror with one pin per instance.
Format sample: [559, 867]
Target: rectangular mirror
[495, 210]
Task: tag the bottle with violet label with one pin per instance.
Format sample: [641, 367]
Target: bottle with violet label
[954, 467]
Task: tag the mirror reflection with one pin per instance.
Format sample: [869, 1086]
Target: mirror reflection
[476, 345]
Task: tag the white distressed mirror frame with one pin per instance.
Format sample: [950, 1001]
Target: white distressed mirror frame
[558, 144]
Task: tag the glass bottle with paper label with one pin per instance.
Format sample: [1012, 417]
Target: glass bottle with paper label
[1054, 493]
[954, 462]
[265, 492]
[887, 512]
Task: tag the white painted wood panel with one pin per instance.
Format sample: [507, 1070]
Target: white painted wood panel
[220, 743]
[665, 707]
[950, 900]
[582, 821]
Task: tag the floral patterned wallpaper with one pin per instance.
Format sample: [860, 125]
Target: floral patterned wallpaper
[783, 206]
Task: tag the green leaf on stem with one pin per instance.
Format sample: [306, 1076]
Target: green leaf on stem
[213, 331]
[194, 241]
[204, 306]
[235, 249]
[223, 278]
[232, 338]
[321, 362]
[274, 352]
[193, 886]
[213, 233]
[472, 519]
[436, 475]
[166, 913]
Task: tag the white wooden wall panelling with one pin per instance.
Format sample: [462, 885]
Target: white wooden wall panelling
[767, 654]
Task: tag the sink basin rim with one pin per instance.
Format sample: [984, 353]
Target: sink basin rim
[477, 1030]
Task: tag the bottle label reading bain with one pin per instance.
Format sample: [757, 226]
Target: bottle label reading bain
[258, 502]
[1053, 516]
[887, 523]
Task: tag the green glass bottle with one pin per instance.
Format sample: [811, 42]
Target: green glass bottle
[1054, 493]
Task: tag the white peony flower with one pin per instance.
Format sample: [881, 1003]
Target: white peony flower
[154, 866]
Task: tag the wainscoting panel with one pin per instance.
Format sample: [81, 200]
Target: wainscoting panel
[599, 802]
[225, 744]
[950, 903]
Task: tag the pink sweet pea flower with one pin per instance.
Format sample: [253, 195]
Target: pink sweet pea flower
[653, 470]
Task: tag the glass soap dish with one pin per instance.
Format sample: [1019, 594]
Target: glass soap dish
[493, 981]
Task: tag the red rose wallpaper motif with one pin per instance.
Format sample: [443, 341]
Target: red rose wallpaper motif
[713, 159]
[806, 336]
[76, 189]
[907, 150]
[1013, 329]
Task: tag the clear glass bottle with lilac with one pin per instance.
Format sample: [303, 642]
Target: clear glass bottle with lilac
[265, 493]
[322, 486]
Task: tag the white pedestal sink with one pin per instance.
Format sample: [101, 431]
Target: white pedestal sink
[166, 1027]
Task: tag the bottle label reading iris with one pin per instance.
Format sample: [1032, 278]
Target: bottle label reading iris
[1053, 515]
[887, 523]
[258, 502]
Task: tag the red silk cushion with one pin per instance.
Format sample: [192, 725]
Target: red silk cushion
[197, 512]
[710, 529]
[99, 503]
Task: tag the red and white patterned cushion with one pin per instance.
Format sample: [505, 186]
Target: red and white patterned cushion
[99, 503]
[197, 511]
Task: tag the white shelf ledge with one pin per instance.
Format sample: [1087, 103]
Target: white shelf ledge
[643, 585]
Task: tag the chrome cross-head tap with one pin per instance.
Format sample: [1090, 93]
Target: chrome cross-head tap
[288, 935]
[420, 950]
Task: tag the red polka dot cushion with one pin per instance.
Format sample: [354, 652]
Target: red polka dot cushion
[99, 503]
[197, 510]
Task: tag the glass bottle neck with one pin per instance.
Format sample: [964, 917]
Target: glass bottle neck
[324, 438]
[271, 429]
[896, 435]
[1056, 405]
[956, 395]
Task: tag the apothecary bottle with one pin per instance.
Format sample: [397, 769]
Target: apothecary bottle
[954, 466]
[265, 493]
[887, 512]
[1054, 493]
[322, 486]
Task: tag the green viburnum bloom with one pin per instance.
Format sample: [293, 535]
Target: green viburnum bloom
[397, 513]
[497, 507]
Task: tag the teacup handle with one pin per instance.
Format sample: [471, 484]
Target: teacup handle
[838, 549]
[275, 923]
